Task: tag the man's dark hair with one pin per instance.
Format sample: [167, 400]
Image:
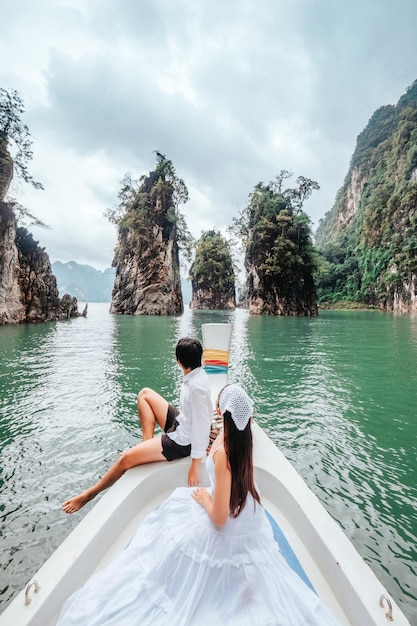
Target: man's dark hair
[188, 352]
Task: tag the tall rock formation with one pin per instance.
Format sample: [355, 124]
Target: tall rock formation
[6, 168]
[291, 298]
[368, 240]
[147, 280]
[12, 307]
[28, 289]
[212, 274]
[279, 256]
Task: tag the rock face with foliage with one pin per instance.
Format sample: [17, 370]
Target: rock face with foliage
[28, 289]
[279, 255]
[368, 241]
[6, 167]
[150, 229]
[212, 274]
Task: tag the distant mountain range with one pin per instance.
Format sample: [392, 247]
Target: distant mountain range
[84, 282]
[88, 284]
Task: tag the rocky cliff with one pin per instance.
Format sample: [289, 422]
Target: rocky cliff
[28, 289]
[294, 298]
[6, 168]
[279, 256]
[368, 241]
[147, 280]
[211, 299]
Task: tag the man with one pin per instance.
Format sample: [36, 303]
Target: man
[186, 432]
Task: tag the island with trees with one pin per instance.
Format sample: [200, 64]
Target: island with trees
[212, 274]
[279, 253]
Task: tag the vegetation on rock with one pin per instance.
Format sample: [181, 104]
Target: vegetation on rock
[13, 131]
[368, 241]
[279, 254]
[28, 289]
[151, 230]
[153, 200]
[212, 273]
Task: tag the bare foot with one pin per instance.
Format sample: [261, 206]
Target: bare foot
[76, 503]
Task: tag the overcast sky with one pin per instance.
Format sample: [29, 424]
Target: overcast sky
[232, 91]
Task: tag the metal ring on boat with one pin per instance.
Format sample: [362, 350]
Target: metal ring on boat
[388, 615]
[34, 583]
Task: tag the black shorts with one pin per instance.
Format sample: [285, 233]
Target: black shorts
[171, 449]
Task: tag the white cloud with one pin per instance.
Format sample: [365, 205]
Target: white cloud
[231, 92]
[73, 205]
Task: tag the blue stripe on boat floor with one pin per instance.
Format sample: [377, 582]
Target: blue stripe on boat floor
[287, 551]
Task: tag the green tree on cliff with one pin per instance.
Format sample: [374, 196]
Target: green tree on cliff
[372, 258]
[276, 237]
[14, 133]
[212, 268]
[154, 199]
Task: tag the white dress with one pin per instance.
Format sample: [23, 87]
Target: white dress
[181, 570]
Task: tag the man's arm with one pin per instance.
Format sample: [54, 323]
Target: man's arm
[201, 412]
[201, 415]
[194, 473]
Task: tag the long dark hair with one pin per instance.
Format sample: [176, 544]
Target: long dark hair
[238, 445]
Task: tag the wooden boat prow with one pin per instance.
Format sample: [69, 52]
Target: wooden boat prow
[336, 571]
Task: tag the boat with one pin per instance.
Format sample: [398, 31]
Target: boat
[311, 540]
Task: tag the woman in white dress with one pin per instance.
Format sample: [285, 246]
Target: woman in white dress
[204, 557]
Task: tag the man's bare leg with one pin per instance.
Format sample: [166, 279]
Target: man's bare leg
[145, 452]
[152, 410]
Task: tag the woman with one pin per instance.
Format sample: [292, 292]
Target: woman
[204, 557]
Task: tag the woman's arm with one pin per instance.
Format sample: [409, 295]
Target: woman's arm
[217, 507]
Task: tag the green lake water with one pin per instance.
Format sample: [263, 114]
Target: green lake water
[336, 393]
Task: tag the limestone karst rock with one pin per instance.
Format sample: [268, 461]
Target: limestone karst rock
[279, 257]
[6, 169]
[368, 240]
[292, 298]
[212, 299]
[28, 289]
[12, 307]
[147, 280]
[212, 274]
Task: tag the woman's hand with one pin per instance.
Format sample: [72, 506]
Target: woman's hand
[202, 496]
